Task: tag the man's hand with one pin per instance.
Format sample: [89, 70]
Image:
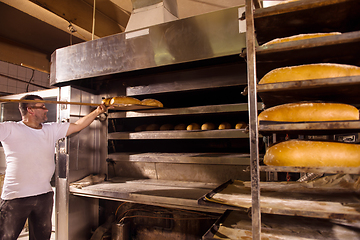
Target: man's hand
[86, 120]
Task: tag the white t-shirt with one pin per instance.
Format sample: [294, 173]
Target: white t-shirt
[29, 156]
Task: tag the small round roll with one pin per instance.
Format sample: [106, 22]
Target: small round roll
[208, 126]
[193, 126]
[224, 125]
[141, 128]
[240, 125]
[167, 127]
[180, 126]
[124, 100]
[153, 127]
[151, 102]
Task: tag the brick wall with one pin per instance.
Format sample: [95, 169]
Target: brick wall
[15, 79]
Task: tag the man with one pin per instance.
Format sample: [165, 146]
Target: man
[29, 147]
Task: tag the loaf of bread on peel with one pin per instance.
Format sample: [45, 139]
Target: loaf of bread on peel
[300, 37]
[106, 101]
[193, 126]
[208, 126]
[309, 71]
[151, 102]
[310, 112]
[124, 100]
[224, 125]
[302, 153]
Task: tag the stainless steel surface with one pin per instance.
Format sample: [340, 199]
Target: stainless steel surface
[195, 158]
[338, 126]
[78, 155]
[253, 122]
[62, 210]
[120, 231]
[174, 194]
[154, 11]
[205, 36]
[332, 170]
[181, 134]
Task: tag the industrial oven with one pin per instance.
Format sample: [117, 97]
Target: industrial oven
[193, 67]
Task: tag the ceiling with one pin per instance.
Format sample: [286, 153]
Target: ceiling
[31, 30]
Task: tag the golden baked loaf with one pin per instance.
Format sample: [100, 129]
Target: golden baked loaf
[106, 101]
[305, 112]
[208, 126]
[240, 125]
[300, 37]
[151, 102]
[309, 71]
[224, 125]
[124, 100]
[303, 153]
[193, 126]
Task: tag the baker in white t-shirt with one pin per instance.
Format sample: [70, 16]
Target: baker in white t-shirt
[29, 150]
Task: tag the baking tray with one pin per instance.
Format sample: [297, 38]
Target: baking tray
[205, 199]
[235, 195]
[209, 235]
[238, 225]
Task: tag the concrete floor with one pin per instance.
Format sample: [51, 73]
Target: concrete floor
[25, 236]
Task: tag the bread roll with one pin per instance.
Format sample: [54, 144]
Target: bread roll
[224, 125]
[240, 125]
[151, 102]
[153, 127]
[300, 37]
[208, 126]
[106, 101]
[307, 112]
[167, 127]
[303, 153]
[309, 71]
[193, 126]
[141, 128]
[180, 126]
[124, 100]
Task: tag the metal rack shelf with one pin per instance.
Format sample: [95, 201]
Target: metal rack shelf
[297, 17]
[310, 127]
[180, 134]
[333, 170]
[284, 20]
[341, 89]
[223, 108]
[195, 158]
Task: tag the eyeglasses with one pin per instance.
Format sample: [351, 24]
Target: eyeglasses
[39, 107]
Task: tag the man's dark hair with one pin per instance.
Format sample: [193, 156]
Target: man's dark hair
[24, 105]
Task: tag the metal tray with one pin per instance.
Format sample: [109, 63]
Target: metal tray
[205, 200]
